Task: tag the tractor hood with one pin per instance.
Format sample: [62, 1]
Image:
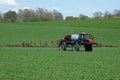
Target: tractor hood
[88, 41]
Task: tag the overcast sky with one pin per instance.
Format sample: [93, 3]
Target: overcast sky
[66, 7]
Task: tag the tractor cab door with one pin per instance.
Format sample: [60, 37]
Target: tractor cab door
[81, 38]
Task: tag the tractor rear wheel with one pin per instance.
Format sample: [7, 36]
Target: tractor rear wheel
[75, 47]
[62, 47]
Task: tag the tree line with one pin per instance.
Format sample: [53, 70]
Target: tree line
[30, 15]
[107, 14]
[41, 14]
[97, 15]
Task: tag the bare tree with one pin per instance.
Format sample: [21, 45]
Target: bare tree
[26, 15]
[57, 15]
[107, 14]
[40, 12]
[20, 15]
[116, 13]
[97, 14]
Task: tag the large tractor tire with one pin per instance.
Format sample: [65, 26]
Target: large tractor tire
[88, 47]
[62, 46]
[75, 47]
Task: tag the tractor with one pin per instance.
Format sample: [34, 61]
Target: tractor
[76, 40]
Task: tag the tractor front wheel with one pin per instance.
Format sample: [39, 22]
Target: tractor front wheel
[88, 47]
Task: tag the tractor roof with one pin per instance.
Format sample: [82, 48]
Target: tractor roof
[84, 33]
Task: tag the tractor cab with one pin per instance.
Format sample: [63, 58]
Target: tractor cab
[84, 35]
[85, 38]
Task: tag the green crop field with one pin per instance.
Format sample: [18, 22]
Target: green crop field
[52, 64]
